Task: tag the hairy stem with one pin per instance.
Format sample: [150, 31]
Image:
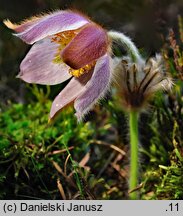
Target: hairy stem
[127, 44]
[134, 154]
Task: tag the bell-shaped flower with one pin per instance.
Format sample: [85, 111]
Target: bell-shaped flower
[66, 45]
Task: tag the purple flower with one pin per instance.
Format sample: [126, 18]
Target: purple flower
[66, 44]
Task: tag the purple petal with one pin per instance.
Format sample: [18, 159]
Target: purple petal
[23, 26]
[52, 24]
[88, 45]
[38, 67]
[73, 89]
[95, 88]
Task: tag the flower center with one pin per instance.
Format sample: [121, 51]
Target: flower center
[63, 39]
[81, 71]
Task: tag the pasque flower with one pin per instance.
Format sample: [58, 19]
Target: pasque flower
[66, 45]
[138, 82]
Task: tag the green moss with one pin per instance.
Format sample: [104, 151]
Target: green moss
[28, 143]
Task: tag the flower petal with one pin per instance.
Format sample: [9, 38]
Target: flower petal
[73, 89]
[23, 26]
[88, 45]
[38, 67]
[95, 88]
[50, 24]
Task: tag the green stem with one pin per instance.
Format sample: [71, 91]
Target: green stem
[127, 43]
[134, 154]
[75, 172]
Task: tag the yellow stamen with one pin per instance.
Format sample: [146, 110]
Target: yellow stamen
[81, 71]
[62, 39]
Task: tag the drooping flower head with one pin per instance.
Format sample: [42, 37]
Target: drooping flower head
[66, 45]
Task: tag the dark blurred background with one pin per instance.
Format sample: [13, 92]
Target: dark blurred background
[146, 21]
